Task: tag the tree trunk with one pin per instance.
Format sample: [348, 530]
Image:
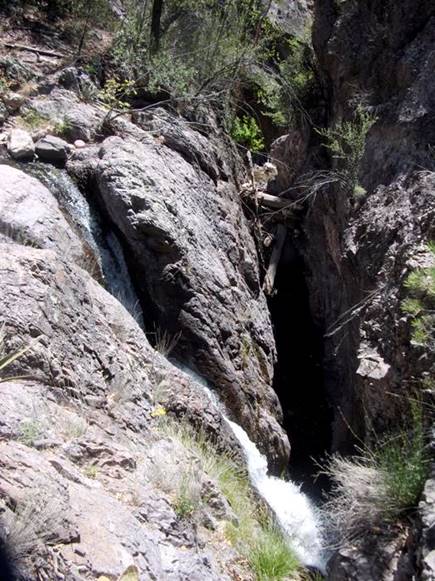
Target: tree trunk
[156, 17]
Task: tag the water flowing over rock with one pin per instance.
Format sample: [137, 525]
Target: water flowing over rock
[194, 261]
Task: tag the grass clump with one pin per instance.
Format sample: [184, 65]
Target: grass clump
[33, 120]
[346, 144]
[420, 303]
[381, 484]
[270, 556]
[252, 533]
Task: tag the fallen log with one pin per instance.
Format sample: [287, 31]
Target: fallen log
[273, 202]
[41, 51]
[269, 279]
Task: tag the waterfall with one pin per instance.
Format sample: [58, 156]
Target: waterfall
[102, 241]
[297, 516]
[293, 510]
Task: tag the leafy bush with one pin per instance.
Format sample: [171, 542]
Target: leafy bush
[191, 48]
[380, 484]
[346, 144]
[420, 304]
[246, 132]
[116, 92]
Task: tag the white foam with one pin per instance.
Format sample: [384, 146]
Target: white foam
[294, 512]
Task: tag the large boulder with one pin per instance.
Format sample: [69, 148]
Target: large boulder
[195, 261]
[79, 434]
[20, 145]
[52, 149]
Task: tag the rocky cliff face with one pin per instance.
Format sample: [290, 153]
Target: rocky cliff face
[140, 226]
[378, 54]
[158, 227]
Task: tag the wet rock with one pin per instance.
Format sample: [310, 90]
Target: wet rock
[31, 216]
[189, 241]
[20, 145]
[52, 149]
[79, 120]
[385, 555]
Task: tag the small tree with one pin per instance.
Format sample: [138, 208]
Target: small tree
[346, 143]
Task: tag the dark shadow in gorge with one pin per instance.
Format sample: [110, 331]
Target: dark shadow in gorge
[299, 376]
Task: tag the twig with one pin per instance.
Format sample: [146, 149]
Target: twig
[42, 51]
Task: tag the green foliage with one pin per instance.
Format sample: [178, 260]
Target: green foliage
[202, 45]
[91, 471]
[253, 534]
[346, 144]
[403, 461]
[32, 119]
[116, 91]
[246, 132]
[186, 500]
[381, 483]
[61, 128]
[30, 431]
[420, 304]
[270, 556]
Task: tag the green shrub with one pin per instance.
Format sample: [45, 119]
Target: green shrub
[116, 92]
[30, 431]
[420, 304]
[195, 48]
[346, 144]
[246, 132]
[403, 461]
[271, 557]
[380, 484]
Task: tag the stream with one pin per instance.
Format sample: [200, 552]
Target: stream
[295, 513]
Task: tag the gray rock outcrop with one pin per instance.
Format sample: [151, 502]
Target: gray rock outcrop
[195, 263]
[20, 145]
[52, 149]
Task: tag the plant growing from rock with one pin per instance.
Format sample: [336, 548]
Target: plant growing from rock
[253, 533]
[380, 484]
[346, 144]
[6, 359]
[246, 131]
[420, 303]
[33, 523]
[30, 431]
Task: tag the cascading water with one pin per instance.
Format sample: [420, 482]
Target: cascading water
[103, 243]
[295, 513]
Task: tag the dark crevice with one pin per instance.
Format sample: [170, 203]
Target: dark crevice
[299, 374]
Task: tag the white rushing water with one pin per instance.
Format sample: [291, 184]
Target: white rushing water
[294, 512]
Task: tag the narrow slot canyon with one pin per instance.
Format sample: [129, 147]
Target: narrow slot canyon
[299, 374]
